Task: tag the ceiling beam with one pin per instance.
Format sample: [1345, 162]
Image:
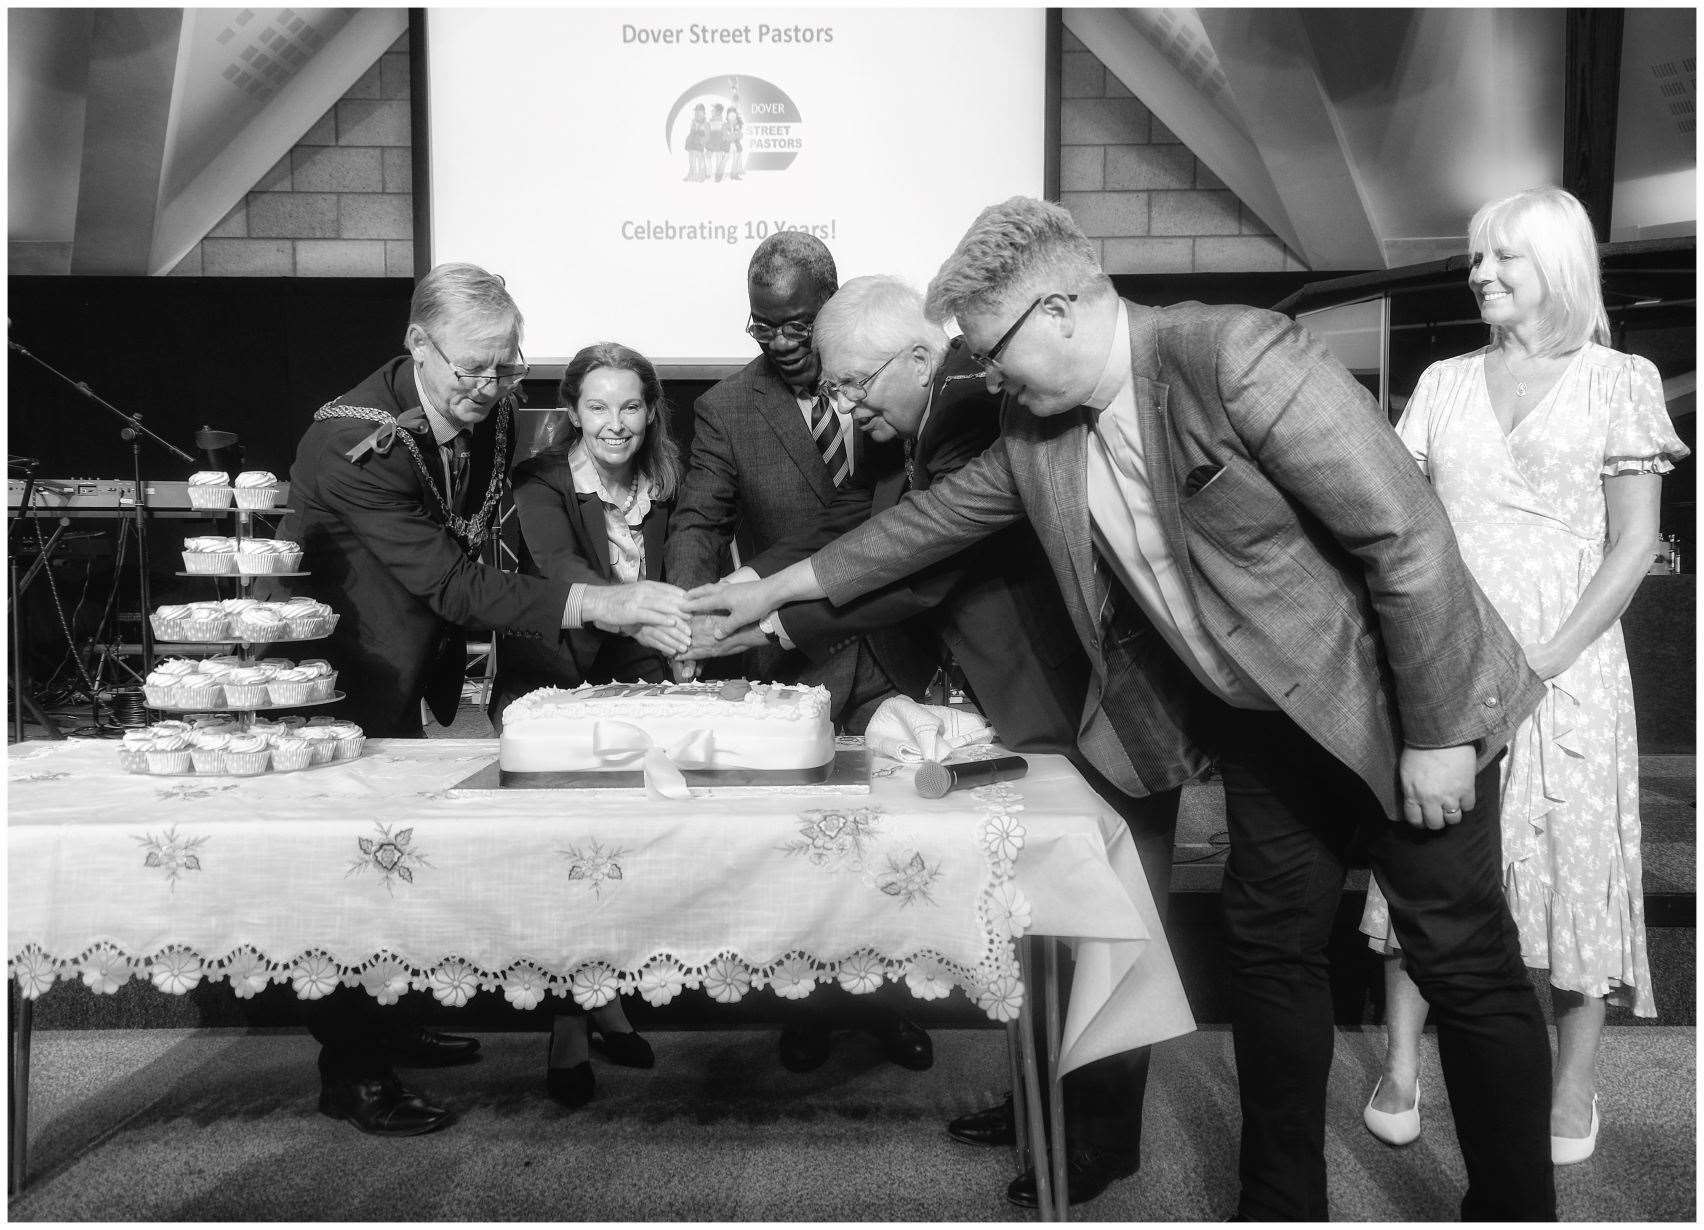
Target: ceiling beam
[1177, 102]
[275, 127]
[132, 64]
[1269, 66]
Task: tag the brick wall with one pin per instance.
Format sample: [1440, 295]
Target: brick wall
[340, 204]
[1142, 196]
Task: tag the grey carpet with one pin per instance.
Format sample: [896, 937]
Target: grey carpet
[221, 1125]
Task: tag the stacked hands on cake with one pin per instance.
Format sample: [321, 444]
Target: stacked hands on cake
[712, 725]
[217, 744]
[226, 681]
[244, 619]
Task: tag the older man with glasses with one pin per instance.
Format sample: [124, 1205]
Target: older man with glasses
[770, 459]
[393, 491]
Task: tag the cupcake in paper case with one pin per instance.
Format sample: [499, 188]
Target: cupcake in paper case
[246, 754]
[291, 752]
[198, 691]
[350, 740]
[257, 489]
[207, 749]
[205, 622]
[323, 676]
[133, 750]
[216, 671]
[168, 621]
[210, 554]
[262, 623]
[289, 554]
[169, 753]
[293, 686]
[210, 489]
[323, 740]
[159, 689]
[259, 556]
[247, 687]
[308, 620]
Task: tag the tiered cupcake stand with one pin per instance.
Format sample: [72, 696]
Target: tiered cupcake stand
[249, 650]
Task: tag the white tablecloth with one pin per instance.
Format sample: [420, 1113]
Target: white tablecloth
[379, 873]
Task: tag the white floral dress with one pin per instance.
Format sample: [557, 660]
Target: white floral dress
[1528, 512]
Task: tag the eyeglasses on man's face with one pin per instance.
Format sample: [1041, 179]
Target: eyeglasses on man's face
[854, 391]
[987, 362]
[762, 332]
[504, 378]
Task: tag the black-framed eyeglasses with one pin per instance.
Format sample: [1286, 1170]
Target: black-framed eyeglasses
[763, 332]
[505, 378]
[854, 391]
[992, 359]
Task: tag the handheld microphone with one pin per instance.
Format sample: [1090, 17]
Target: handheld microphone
[934, 780]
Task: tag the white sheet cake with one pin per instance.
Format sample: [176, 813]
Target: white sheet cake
[729, 724]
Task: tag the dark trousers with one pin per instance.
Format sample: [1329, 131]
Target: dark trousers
[354, 1031]
[1292, 809]
[1103, 1100]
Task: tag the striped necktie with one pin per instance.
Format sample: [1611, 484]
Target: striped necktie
[830, 440]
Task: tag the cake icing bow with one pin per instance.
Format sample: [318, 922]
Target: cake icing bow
[616, 743]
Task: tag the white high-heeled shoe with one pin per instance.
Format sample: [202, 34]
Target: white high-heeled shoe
[1399, 1128]
[1566, 1150]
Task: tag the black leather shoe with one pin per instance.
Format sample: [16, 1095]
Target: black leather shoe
[1087, 1174]
[994, 1125]
[905, 1044]
[804, 1048]
[380, 1106]
[570, 1086]
[627, 1049]
[427, 1048]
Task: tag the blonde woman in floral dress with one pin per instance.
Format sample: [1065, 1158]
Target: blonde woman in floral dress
[1547, 450]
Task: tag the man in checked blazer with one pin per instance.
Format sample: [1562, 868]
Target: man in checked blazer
[1258, 573]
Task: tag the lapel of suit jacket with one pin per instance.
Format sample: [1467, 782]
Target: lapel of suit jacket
[1153, 417]
[654, 528]
[780, 409]
[407, 396]
[587, 510]
[1057, 468]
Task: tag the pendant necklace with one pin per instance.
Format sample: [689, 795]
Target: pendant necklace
[1520, 385]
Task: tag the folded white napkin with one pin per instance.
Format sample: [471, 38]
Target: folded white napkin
[904, 730]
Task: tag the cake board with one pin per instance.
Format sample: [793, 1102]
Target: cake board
[848, 774]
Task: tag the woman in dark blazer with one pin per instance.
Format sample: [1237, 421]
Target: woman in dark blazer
[593, 508]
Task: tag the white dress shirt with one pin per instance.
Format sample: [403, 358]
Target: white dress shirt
[1129, 538]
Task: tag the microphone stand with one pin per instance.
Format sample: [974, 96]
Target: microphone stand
[132, 432]
[21, 698]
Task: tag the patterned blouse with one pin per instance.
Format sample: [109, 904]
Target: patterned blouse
[626, 540]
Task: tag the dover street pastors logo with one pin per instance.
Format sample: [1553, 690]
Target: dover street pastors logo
[754, 120]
